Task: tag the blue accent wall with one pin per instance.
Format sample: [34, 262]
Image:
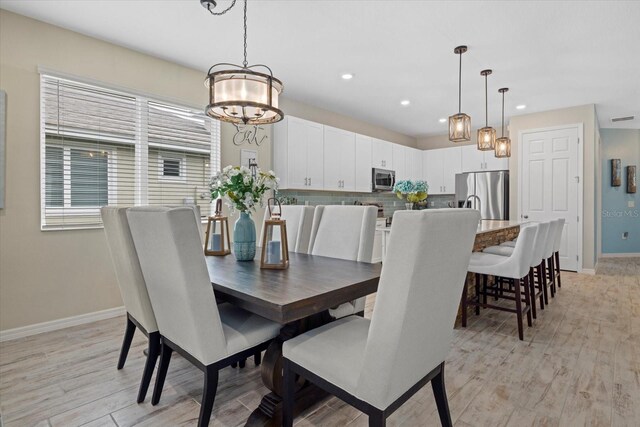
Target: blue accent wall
[617, 216]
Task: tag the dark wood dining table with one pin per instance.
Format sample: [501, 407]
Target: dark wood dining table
[298, 298]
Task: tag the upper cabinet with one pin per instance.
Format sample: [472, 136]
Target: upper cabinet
[413, 163]
[298, 152]
[339, 159]
[474, 160]
[363, 166]
[382, 154]
[440, 168]
[398, 161]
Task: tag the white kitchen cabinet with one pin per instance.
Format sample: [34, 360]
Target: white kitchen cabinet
[339, 159]
[363, 153]
[474, 160]
[398, 161]
[413, 163]
[378, 248]
[440, 168]
[382, 154]
[298, 154]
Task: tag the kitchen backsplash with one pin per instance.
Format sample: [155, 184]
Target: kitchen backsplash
[389, 201]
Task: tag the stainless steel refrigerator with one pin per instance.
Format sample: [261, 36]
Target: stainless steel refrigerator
[486, 191]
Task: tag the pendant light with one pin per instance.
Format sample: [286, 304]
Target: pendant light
[240, 94]
[487, 134]
[503, 144]
[460, 124]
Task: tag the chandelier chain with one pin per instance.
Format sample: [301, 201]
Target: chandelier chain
[209, 7]
[245, 63]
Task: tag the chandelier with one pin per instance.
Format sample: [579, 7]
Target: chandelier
[460, 124]
[503, 144]
[241, 94]
[487, 134]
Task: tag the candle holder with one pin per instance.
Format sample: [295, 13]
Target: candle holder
[217, 240]
[275, 247]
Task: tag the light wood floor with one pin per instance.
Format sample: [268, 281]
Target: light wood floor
[579, 365]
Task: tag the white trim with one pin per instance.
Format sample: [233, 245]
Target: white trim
[182, 166]
[620, 255]
[54, 325]
[589, 271]
[580, 128]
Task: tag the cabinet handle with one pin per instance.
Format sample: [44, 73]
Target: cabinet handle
[305, 181]
[309, 182]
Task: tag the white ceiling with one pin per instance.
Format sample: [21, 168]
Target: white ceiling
[550, 54]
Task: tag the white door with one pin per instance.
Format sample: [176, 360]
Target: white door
[333, 140]
[315, 155]
[399, 162]
[452, 165]
[550, 185]
[363, 163]
[297, 153]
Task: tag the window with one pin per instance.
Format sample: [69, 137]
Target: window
[102, 146]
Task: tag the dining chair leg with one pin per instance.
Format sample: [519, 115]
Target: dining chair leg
[532, 294]
[527, 298]
[477, 283]
[257, 359]
[440, 394]
[557, 264]
[126, 342]
[165, 358]
[519, 312]
[377, 419]
[208, 395]
[288, 384]
[153, 351]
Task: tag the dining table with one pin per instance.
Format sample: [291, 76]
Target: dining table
[298, 298]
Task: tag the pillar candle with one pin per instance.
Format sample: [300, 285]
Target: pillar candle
[273, 252]
[215, 243]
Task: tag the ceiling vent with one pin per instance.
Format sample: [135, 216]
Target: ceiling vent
[622, 119]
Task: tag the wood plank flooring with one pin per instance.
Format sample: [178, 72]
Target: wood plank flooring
[579, 365]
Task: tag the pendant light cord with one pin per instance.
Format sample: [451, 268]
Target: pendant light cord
[245, 63]
[503, 114]
[460, 85]
[486, 103]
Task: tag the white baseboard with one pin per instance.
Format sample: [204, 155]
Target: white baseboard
[590, 271]
[54, 325]
[621, 255]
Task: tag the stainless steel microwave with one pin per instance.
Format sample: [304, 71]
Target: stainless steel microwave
[382, 179]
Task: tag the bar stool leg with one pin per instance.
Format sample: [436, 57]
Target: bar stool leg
[532, 293]
[542, 278]
[519, 311]
[557, 264]
[527, 297]
[477, 294]
[463, 303]
[550, 274]
[484, 289]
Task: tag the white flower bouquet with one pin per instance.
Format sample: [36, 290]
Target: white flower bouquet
[241, 188]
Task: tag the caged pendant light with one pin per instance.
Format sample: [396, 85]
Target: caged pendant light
[503, 144]
[240, 94]
[460, 124]
[487, 134]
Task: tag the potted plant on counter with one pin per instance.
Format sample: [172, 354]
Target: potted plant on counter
[243, 189]
[411, 191]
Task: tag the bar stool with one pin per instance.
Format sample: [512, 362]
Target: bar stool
[516, 267]
[537, 280]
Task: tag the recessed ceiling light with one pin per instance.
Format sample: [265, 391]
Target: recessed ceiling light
[442, 120]
[405, 102]
[347, 76]
[521, 107]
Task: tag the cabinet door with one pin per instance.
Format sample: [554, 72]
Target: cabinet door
[452, 165]
[409, 167]
[363, 153]
[398, 162]
[297, 153]
[494, 163]
[347, 161]
[472, 159]
[333, 140]
[432, 170]
[382, 154]
[417, 165]
[315, 156]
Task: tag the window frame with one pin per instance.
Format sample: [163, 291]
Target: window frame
[182, 172]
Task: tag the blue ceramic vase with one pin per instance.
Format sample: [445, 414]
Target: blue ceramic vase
[244, 238]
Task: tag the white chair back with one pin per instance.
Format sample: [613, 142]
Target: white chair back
[417, 300]
[558, 240]
[299, 222]
[344, 232]
[127, 267]
[551, 238]
[168, 245]
[539, 243]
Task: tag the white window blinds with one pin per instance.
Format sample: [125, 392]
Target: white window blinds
[102, 146]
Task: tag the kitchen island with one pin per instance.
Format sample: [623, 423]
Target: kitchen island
[490, 233]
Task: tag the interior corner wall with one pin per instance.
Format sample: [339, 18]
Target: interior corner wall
[584, 115]
[617, 216]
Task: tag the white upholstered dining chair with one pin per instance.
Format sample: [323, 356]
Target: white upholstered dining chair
[344, 232]
[210, 336]
[133, 290]
[376, 365]
[299, 221]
